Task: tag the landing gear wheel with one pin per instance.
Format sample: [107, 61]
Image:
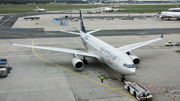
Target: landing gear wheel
[134, 94]
[84, 60]
[123, 78]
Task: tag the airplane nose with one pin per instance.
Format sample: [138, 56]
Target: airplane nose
[132, 70]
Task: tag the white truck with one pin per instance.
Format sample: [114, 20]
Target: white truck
[3, 72]
[138, 91]
[169, 43]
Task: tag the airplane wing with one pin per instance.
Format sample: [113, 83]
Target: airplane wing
[137, 45]
[71, 51]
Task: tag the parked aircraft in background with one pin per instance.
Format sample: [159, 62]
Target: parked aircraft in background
[167, 14]
[92, 3]
[117, 3]
[40, 10]
[109, 9]
[119, 59]
[174, 9]
[171, 13]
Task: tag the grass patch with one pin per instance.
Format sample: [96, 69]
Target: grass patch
[145, 8]
[20, 8]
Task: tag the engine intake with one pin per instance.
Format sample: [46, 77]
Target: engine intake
[77, 63]
[134, 58]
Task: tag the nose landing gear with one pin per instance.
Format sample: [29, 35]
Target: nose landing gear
[123, 78]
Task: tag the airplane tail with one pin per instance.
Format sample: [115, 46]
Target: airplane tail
[83, 29]
[37, 6]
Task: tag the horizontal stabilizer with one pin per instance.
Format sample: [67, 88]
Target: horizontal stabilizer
[93, 31]
[70, 32]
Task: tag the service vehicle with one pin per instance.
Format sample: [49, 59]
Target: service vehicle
[127, 18]
[169, 43]
[3, 61]
[32, 18]
[138, 91]
[3, 72]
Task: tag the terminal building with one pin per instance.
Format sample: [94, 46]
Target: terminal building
[86, 1]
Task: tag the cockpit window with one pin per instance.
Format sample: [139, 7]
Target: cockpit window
[129, 65]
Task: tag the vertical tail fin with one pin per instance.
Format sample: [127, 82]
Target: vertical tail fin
[37, 6]
[83, 29]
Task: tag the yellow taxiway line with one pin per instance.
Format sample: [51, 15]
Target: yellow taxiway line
[106, 68]
[6, 20]
[81, 75]
[80, 45]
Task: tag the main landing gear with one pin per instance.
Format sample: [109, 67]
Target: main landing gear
[84, 60]
[123, 78]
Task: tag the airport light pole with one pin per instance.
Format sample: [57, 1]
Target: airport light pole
[129, 8]
[70, 8]
[98, 13]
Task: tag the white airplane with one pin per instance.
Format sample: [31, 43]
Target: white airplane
[95, 3]
[40, 10]
[109, 9]
[174, 9]
[90, 3]
[119, 59]
[169, 15]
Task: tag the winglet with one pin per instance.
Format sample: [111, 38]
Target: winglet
[162, 36]
[11, 42]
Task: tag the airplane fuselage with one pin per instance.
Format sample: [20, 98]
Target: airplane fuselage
[170, 15]
[108, 9]
[109, 55]
[41, 10]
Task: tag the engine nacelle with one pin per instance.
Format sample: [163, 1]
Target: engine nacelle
[134, 58]
[77, 63]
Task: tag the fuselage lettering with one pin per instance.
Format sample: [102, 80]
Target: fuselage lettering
[108, 54]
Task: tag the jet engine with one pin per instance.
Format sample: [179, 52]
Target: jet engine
[134, 58]
[77, 63]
